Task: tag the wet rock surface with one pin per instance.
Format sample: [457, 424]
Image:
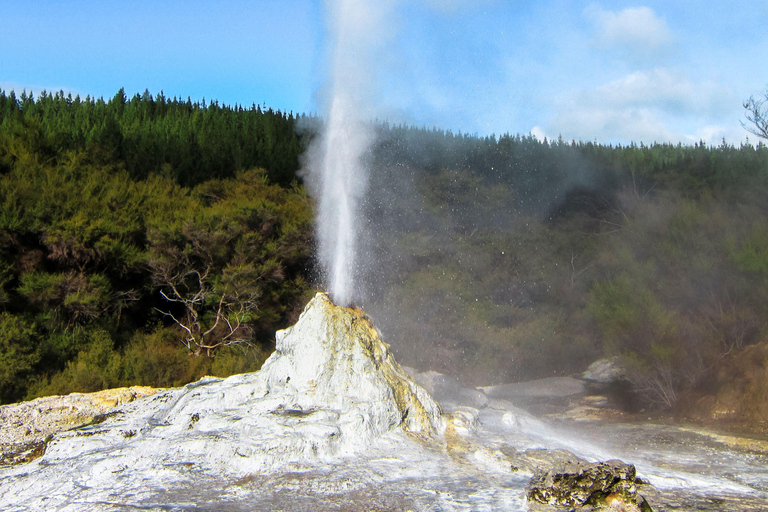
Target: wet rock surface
[543, 396]
[552, 387]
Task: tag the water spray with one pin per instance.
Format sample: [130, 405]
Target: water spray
[337, 167]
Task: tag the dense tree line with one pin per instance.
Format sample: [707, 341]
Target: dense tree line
[134, 232]
[190, 142]
[110, 247]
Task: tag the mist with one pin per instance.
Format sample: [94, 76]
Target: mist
[405, 216]
[507, 258]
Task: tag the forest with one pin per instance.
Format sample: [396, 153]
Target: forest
[153, 240]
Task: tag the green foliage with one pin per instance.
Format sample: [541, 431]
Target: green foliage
[147, 134]
[19, 354]
[136, 230]
[231, 264]
[647, 252]
[753, 254]
[95, 196]
[154, 359]
[96, 367]
[629, 314]
[71, 297]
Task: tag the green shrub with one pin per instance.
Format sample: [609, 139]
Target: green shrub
[19, 353]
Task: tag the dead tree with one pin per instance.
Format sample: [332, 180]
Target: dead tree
[214, 300]
[756, 116]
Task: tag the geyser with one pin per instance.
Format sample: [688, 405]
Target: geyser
[336, 162]
[342, 172]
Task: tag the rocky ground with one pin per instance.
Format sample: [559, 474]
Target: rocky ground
[28, 426]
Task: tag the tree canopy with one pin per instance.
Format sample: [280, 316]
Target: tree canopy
[137, 231]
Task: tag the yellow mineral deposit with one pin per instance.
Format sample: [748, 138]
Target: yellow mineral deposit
[27, 425]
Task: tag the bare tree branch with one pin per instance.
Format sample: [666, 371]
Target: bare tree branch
[757, 116]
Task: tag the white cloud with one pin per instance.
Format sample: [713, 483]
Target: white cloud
[451, 6]
[34, 89]
[634, 28]
[539, 133]
[665, 88]
[609, 124]
[657, 105]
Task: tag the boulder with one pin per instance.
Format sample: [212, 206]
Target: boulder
[605, 371]
[602, 485]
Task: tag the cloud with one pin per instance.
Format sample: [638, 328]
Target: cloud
[664, 88]
[634, 28]
[36, 89]
[451, 6]
[657, 105]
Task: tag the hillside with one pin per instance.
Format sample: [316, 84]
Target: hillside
[128, 227]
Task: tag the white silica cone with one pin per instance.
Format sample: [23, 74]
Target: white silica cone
[329, 391]
[333, 359]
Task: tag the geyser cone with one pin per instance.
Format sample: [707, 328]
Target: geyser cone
[334, 358]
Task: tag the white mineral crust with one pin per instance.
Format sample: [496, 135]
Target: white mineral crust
[330, 390]
[332, 422]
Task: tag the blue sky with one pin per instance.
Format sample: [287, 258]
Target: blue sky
[611, 71]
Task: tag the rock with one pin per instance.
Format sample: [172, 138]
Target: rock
[590, 408]
[28, 425]
[609, 377]
[542, 396]
[329, 391]
[333, 358]
[538, 460]
[605, 371]
[577, 484]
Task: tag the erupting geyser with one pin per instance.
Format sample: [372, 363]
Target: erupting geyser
[336, 165]
[343, 184]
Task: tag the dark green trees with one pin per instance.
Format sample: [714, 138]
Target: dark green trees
[191, 142]
[99, 229]
[233, 265]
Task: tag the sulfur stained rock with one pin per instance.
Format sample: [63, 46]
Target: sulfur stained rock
[27, 426]
[610, 485]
